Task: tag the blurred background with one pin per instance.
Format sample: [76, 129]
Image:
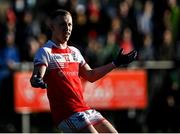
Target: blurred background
[101, 27]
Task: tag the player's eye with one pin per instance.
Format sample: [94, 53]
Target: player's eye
[62, 24]
[69, 24]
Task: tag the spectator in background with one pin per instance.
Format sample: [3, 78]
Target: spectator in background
[126, 42]
[11, 20]
[174, 19]
[123, 12]
[93, 49]
[127, 14]
[147, 50]
[109, 7]
[27, 27]
[93, 15]
[110, 49]
[7, 25]
[116, 27]
[9, 57]
[32, 26]
[167, 47]
[9, 60]
[93, 9]
[145, 23]
[32, 46]
[80, 27]
[132, 14]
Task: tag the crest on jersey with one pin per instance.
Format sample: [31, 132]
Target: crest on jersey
[75, 58]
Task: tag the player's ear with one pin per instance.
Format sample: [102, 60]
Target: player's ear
[50, 25]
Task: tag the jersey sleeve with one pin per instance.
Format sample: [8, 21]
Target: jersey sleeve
[81, 58]
[41, 57]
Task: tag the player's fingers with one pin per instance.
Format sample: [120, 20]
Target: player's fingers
[132, 54]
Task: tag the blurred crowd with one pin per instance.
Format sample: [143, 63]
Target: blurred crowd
[100, 29]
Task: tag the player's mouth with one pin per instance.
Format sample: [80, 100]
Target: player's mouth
[67, 34]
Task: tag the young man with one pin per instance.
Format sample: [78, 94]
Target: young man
[58, 68]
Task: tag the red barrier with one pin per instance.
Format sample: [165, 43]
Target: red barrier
[117, 90]
[28, 99]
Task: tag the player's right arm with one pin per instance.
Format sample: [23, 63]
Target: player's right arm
[37, 77]
[40, 66]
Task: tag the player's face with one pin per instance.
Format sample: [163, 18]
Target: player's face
[62, 28]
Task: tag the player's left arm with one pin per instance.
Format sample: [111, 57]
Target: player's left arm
[95, 74]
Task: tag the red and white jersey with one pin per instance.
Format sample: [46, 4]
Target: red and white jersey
[62, 77]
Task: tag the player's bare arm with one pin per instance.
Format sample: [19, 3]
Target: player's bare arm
[37, 76]
[95, 74]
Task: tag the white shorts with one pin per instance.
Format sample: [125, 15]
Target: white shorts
[80, 120]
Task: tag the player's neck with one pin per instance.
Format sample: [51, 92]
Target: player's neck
[59, 44]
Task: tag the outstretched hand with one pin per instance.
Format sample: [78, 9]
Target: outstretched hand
[123, 59]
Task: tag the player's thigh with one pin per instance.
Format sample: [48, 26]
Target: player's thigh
[88, 129]
[105, 127]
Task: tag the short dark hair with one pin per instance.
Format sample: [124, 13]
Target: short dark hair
[58, 12]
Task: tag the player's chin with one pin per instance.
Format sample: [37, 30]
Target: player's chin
[66, 38]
